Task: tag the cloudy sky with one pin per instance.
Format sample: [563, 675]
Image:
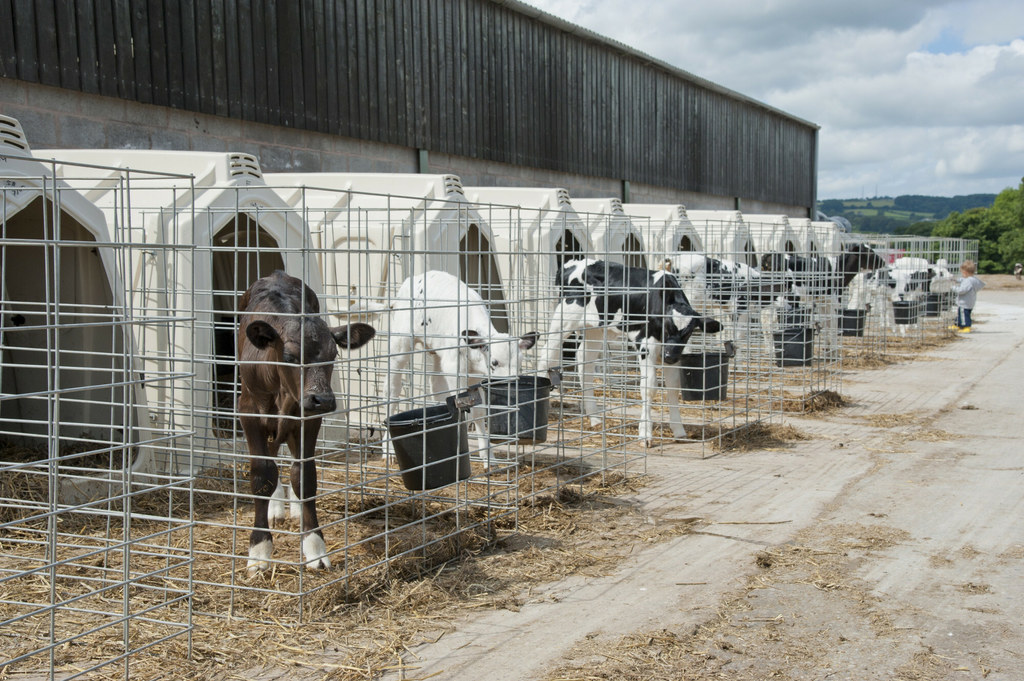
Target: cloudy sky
[912, 96]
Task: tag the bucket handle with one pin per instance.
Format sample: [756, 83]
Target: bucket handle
[465, 401]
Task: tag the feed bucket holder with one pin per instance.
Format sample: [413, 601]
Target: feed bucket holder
[906, 311]
[517, 408]
[794, 346]
[705, 376]
[851, 323]
[432, 444]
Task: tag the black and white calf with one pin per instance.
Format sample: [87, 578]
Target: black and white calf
[824, 276]
[819, 282]
[286, 355]
[648, 307]
[741, 289]
[908, 279]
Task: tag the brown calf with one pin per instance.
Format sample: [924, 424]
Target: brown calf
[286, 355]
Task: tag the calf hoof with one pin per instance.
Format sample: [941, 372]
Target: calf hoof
[314, 550]
[259, 557]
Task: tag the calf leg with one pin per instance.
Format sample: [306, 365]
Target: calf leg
[399, 347]
[648, 384]
[566, 319]
[263, 481]
[673, 387]
[588, 353]
[303, 475]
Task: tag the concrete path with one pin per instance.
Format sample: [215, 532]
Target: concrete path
[955, 504]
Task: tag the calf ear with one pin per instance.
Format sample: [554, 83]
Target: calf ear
[353, 336]
[528, 341]
[709, 325]
[473, 339]
[260, 334]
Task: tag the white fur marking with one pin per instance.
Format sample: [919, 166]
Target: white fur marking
[314, 550]
[259, 556]
[276, 510]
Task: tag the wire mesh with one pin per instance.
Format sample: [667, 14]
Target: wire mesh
[909, 305]
[127, 479]
[95, 538]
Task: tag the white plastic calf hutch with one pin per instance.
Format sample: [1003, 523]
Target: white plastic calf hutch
[373, 231]
[725, 235]
[614, 235]
[107, 380]
[79, 287]
[218, 239]
[542, 230]
[810, 243]
[667, 228]
[772, 234]
[829, 235]
[92, 558]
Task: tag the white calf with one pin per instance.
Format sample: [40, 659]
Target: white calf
[437, 312]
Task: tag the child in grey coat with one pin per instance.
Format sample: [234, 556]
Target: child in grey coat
[966, 290]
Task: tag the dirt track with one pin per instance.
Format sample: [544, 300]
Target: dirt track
[887, 547]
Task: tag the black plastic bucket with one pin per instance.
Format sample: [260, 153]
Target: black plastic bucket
[705, 376]
[851, 323]
[431, 445]
[517, 408]
[794, 346]
[935, 304]
[906, 311]
[794, 316]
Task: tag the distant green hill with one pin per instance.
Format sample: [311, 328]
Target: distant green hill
[887, 215]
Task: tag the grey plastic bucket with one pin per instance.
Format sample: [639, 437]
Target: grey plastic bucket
[431, 445]
[794, 346]
[705, 376]
[517, 408]
[851, 323]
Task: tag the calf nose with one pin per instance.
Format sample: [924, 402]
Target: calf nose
[318, 403]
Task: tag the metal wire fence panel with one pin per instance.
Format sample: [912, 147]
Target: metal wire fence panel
[909, 305]
[196, 420]
[95, 530]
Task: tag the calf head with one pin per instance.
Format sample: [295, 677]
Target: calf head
[859, 258]
[676, 328]
[498, 356]
[304, 349]
[773, 262]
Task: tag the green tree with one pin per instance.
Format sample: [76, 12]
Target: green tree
[999, 230]
[1008, 210]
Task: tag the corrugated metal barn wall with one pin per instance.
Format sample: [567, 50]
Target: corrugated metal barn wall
[473, 78]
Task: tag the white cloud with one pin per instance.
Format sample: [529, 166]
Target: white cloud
[916, 96]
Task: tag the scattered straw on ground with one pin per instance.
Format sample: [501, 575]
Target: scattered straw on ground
[785, 622]
[820, 403]
[931, 435]
[893, 420]
[759, 436]
[359, 627]
[866, 360]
